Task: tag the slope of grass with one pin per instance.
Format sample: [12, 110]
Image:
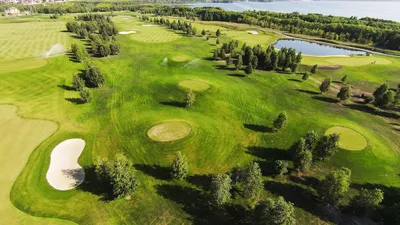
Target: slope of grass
[231, 125]
[346, 61]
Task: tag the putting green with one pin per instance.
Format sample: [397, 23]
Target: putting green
[180, 58]
[194, 85]
[349, 139]
[24, 64]
[345, 61]
[169, 131]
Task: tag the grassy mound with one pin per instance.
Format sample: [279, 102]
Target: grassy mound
[194, 85]
[349, 139]
[169, 131]
[180, 58]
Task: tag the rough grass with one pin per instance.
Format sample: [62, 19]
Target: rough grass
[19, 137]
[30, 39]
[231, 125]
[349, 139]
[194, 85]
[169, 131]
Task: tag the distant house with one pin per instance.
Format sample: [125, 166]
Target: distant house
[11, 11]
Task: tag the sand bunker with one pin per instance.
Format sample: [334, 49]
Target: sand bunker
[169, 131]
[149, 25]
[180, 58]
[64, 172]
[349, 139]
[194, 85]
[127, 32]
[252, 32]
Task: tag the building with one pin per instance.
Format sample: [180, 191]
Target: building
[11, 11]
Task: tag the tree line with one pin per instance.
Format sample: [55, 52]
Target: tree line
[100, 30]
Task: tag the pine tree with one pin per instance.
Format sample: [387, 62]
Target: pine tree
[280, 122]
[77, 82]
[239, 62]
[306, 76]
[344, 93]
[220, 189]
[218, 33]
[203, 32]
[344, 79]
[180, 167]
[314, 69]
[249, 69]
[190, 98]
[85, 95]
[324, 87]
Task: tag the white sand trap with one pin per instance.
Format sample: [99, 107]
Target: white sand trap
[149, 25]
[127, 32]
[252, 32]
[64, 172]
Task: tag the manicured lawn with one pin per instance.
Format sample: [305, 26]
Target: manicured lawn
[349, 139]
[345, 61]
[19, 137]
[230, 125]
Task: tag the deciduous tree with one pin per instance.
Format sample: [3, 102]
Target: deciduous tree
[280, 121]
[190, 98]
[274, 212]
[326, 146]
[344, 93]
[220, 189]
[335, 185]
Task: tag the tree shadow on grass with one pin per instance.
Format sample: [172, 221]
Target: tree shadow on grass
[236, 75]
[208, 58]
[194, 203]
[224, 67]
[294, 80]
[306, 180]
[94, 185]
[201, 181]
[269, 154]
[370, 110]
[156, 171]
[76, 101]
[174, 104]
[308, 92]
[325, 99]
[259, 128]
[301, 198]
[66, 87]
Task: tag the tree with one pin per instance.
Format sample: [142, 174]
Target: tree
[314, 69]
[93, 76]
[324, 87]
[120, 173]
[294, 67]
[104, 49]
[229, 60]
[85, 95]
[207, 38]
[220, 189]
[335, 185]
[114, 48]
[180, 167]
[306, 76]
[190, 98]
[252, 180]
[299, 57]
[366, 200]
[77, 82]
[344, 93]
[381, 91]
[302, 161]
[203, 32]
[326, 146]
[249, 69]
[217, 42]
[344, 79]
[386, 100]
[239, 62]
[274, 212]
[310, 138]
[218, 33]
[79, 52]
[280, 121]
[280, 167]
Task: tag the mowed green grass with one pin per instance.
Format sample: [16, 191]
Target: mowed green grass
[194, 85]
[30, 39]
[142, 91]
[146, 34]
[349, 139]
[25, 64]
[345, 61]
[169, 131]
[19, 137]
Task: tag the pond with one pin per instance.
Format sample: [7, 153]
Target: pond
[315, 49]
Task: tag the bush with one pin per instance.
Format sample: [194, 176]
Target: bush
[280, 167]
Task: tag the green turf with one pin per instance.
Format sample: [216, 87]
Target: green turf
[24, 64]
[169, 131]
[230, 126]
[19, 137]
[349, 139]
[345, 61]
[194, 85]
[30, 39]
[180, 58]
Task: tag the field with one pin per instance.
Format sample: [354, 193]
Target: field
[230, 125]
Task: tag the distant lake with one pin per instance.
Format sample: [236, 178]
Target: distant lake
[376, 9]
[315, 49]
